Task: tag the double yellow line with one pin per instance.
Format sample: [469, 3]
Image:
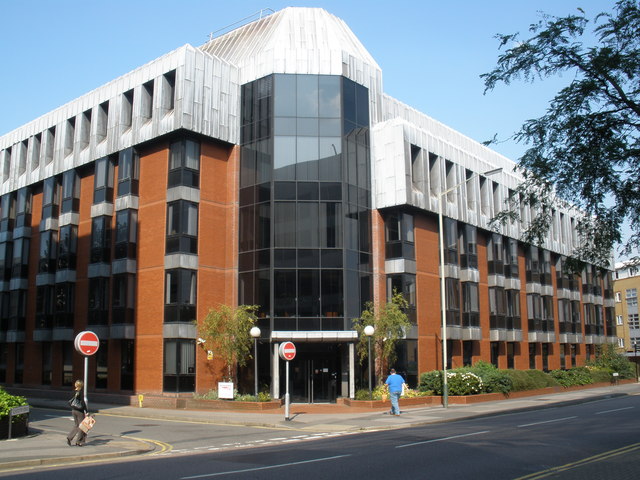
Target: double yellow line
[586, 461]
[164, 447]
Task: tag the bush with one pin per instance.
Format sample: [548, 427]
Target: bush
[607, 358]
[8, 401]
[460, 382]
[529, 380]
[600, 375]
[431, 382]
[572, 377]
[493, 379]
[463, 383]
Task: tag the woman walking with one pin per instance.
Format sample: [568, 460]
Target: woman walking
[79, 411]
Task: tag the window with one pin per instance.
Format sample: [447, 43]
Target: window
[48, 251]
[534, 312]
[619, 320]
[70, 191]
[451, 241]
[45, 303]
[469, 247]
[50, 198]
[533, 265]
[399, 242]
[512, 298]
[103, 181]
[17, 309]
[128, 172]
[7, 207]
[6, 256]
[123, 298]
[20, 261]
[98, 301]
[182, 227]
[65, 298]
[497, 311]
[632, 297]
[633, 321]
[126, 234]
[618, 297]
[23, 208]
[494, 255]
[184, 164]
[452, 286]
[510, 258]
[180, 296]
[100, 240]
[179, 365]
[471, 305]
[68, 247]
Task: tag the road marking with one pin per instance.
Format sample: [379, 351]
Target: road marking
[580, 463]
[443, 439]
[164, 447]
[616, 410]
[546, 421]
[270, 467]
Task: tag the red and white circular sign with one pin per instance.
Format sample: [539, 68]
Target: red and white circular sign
[87, 343]
[287, 351]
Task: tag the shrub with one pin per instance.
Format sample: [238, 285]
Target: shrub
[463, 383]
[573, 376]
[607, 358]
[529, 380]
[264, 397]
[600, 375]
[460, 382]
[210, 395]
[493, 379]
[8, 401]
[431, 382]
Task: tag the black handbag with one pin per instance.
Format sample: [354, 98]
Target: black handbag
[75, 402]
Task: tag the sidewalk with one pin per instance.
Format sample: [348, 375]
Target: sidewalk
[45, 447]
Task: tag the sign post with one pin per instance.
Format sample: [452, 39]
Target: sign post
[86, 343]
[287, 352]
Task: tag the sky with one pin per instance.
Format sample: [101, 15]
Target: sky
[431, 53]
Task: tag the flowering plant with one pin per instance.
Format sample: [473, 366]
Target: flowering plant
[464, 383]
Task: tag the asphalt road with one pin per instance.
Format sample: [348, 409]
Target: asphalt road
[587, 441]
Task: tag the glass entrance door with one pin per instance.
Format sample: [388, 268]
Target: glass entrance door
[313, 376]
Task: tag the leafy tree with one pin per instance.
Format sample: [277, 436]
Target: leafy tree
[390, 323]
[586, 147]
[226, 332]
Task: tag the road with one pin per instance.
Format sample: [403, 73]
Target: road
[587, 441]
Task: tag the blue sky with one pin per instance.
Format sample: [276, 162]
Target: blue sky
[431, 52]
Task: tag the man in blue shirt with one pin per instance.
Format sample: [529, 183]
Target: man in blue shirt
[394, 384]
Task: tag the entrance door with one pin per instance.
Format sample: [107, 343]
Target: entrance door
[314, 376]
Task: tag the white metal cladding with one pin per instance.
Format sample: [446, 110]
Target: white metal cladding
[206, 100]
[400, 180]
[300, 41]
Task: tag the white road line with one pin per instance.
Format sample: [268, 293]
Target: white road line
[443, 439]
[616, 410]
[546, 421]
[270, 467]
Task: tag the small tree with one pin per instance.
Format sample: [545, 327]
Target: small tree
[390, 323]
[226, 332]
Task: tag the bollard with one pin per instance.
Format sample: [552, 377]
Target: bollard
[140, 399]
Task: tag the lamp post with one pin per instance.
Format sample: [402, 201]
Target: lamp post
[368, 331]
[443, 294]
[255, 333]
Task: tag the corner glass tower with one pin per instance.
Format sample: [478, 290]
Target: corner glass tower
[305, 240]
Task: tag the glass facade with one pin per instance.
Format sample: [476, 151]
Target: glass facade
[305, 247]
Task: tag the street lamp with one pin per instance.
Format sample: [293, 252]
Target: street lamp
[443, 294]
[255, 333]
[368, 331]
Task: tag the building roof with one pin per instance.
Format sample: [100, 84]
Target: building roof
[293, 40]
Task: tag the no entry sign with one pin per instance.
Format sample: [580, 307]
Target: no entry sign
[87, 343]
[287, 351]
